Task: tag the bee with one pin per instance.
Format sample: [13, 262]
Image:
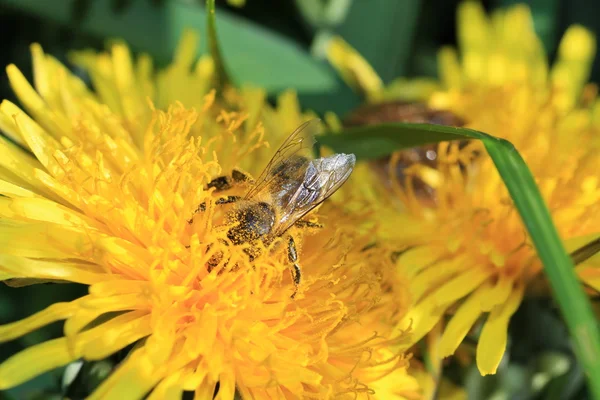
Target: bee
[400, 111]
[291, 185]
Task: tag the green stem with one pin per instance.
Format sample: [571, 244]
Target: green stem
[221, 78]
[586, 251]
[573, 302]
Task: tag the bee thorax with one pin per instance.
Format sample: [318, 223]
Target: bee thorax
[252, 222]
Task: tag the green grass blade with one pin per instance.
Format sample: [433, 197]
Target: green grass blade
[586, 251]
[375, 141]
[573, 302]
[221, 78]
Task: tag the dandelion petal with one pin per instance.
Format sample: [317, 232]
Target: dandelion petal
[462, 321]
[460, 286]
[492, 341]
[55, 312]
[27, 268]
[169, 388]
[34, 361]
[132, 380]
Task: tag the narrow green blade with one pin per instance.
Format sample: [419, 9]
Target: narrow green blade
[375, 141]
[221, 78]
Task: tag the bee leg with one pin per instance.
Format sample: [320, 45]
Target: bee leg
[227, 200]
[226, 182]
[220, 183]
[216, 258]
[307, 224]
[218, 202]
[296, 271]
[240, 177]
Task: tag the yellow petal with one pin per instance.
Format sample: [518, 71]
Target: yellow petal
[435, 276]
[80, 319]
[131, 260]
[34, 361]
[590, 274]
[573, 243]
[119, 302]
[193, 380]
[421, 319]
[418, 89]
[449, 68]
[226, 385]
[41, 77]
[19, 168]
[169, 388]
[201, 344]
[68, 92]
[474, 36]
[132, 104]
[289, 110]
[461, 285]
[40, 209]
[109, 337]
[492, 341]
[187, 49]
[416, 259]
[144, 75]
[499, 293]
[27, 268]
[132, 380]
[462, 321]
[207, 388]
[11, 190]
[37, 240]
[40, 143]
[55, 312]
[572, 67]
[9, 128]
[353, 68]
[254, 98]
[56, 124]
[578, 43]
[57, 190]
[92, 307]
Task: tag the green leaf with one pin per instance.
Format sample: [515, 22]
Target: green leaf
[383, 33]
[254, 54]
[221, 76]
[375, 141]
[586, 251]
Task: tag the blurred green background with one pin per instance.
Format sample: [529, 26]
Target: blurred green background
[268, 42]
[272, 44]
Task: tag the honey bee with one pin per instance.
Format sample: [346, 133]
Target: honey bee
[292, 184]
[400, 111]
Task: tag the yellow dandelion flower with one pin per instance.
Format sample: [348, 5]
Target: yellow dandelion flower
[463, 244]
[124, 84]
[100, 194]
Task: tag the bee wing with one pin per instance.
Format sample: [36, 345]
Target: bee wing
[322, 178]
[299, 143]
